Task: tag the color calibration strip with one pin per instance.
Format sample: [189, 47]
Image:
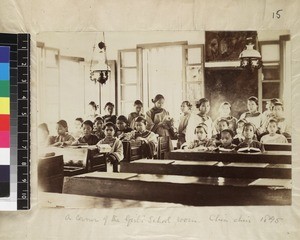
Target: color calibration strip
[4, 122]
[23, 120]
[19, 133]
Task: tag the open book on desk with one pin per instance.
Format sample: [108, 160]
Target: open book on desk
[85, 146]
[249, 150]
[221, 149]
[104, 148]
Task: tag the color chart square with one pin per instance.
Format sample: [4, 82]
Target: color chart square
[4, 71]
[4, 123]
[4, 105]
[5, 139]
[4, 54]
[4, 156]
[4, 89]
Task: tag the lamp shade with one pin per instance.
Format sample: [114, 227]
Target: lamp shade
[250, 58]
[250, 52]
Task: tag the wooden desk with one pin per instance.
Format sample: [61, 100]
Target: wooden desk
[51, 174]
[272, 157]
[197, 191]
[78, 160]
[132, 151]
[278, 147]
[208, 169]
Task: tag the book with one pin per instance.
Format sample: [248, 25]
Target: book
[221, 149]
[104, 148]
[249, 150]
[90, 147]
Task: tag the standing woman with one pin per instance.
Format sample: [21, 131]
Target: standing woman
[253, 115]
[204, 107]
[109, 117]
[138, 105]
[92, 111]
[186, 107]
[158, 119]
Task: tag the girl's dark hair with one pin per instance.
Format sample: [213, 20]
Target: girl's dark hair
[138, 102]
[274, 100]
[202, 125]
[109, 104]
[254, 99]
[88, 122]
[157, 98]
[122, 118]
[248, 124]
[97, 119]
[140, 119]
[272, 120]
[109, 124]
[79, 119]
[44, 127]
[94, 105]
[202, 100]
[223, 120]
[228, 131]
[279, 104]
[225, 103]
[188, 104]
[63, 123]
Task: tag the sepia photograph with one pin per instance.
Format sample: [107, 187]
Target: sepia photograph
[164, 118]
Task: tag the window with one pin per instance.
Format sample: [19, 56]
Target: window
[128, 90]
[174, 70]
[49, 86]
[194, 79]
[270, 82]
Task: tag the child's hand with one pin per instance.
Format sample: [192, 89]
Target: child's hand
[211, 148]
[127, 136]
[167, 118]
[201, 148]
[58, 144]
[76, 143]
[191, 145]
[98, 147]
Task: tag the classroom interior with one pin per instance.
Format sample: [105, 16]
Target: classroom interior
[177, 65]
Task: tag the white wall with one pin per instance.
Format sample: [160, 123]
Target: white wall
[81, 44]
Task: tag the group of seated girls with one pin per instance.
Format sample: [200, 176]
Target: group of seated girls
[193, 131]
[99, 132]
[252, 130]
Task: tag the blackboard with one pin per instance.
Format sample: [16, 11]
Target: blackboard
[232, 85]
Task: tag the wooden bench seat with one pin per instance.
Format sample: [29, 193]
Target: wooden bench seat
[51, 174]
[278, 147]
[272, 157]
[208, 169]
[197, 191]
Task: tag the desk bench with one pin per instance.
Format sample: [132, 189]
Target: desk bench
[187, 190]
[272, 157]
[208, 168]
